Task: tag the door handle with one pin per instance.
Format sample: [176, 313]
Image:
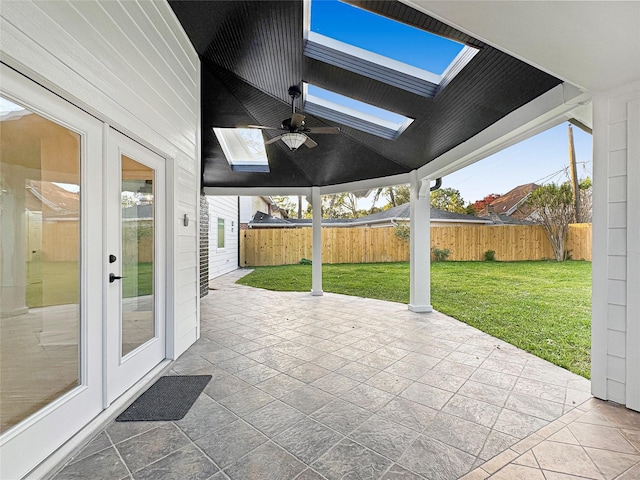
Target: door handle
[113, 277]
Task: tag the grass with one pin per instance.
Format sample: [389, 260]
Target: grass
[541, 307]
[56, 283]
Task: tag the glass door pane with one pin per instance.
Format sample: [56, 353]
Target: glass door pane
[39, 262]
[138, 239]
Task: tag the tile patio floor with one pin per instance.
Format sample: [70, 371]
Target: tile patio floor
[340, 387]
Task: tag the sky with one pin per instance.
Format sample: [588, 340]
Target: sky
[541, 159]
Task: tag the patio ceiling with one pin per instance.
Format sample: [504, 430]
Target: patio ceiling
[252, 51]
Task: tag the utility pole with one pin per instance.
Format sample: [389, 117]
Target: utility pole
[299, 207]
[575, 186]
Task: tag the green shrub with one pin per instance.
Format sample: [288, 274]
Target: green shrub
[305, 261]
[490, 255]
[440, 255]
[403, 231]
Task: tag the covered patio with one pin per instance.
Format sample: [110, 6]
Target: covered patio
[340, 387]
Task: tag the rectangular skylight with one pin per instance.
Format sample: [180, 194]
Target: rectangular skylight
[243, 149]
[353, 113]
[383, 49]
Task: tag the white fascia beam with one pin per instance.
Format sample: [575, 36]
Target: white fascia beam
[389, 181]
[548, 110]
[256, 191]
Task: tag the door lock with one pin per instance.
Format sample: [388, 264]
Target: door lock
[113, 277]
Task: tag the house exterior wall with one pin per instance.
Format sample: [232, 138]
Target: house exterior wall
[616, 246]
[131, 65]
[223, 260]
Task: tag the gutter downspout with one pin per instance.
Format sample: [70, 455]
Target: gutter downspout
[437, 185]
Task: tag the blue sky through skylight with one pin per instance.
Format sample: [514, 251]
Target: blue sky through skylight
[382, 35]
[355, 104]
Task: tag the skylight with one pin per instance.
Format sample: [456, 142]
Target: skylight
[353, 113]
[383, 49]
[243, 149]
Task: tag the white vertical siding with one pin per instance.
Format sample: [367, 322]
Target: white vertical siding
[616, 265]
[246, 211]
[223, 260]
[131, 65]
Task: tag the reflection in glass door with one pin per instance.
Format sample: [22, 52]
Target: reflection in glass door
[39, 262]
[138, 235]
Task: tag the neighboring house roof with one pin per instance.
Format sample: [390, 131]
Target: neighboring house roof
[52, 200]
[400, 213]
[510, 202]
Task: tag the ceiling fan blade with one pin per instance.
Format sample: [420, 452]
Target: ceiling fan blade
[273, 140]
[323, 130]
[262, 127]
[297, 119]
[310, 143]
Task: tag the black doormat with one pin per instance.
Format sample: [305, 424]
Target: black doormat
[170, 398]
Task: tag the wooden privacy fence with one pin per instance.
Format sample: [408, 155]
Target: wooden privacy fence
[284, 246]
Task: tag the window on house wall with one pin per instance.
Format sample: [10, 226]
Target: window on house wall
[220, 232]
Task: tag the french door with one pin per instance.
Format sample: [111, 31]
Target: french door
[135, 256]
[51, 302]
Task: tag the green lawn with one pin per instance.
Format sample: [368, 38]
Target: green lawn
[541, 307]
[56, 283]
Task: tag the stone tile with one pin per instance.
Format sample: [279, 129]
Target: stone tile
[225, 386]
[205, 416]
[517, 424]
[188, 462]
[385, 437]
[331, 361]
[484, 393]
[633, 437]
[611, 464]
[436, 460]
[563, 458]
[496, 443]
[388, 382]
[620, 416]
[349, 460]
[228, 444]
[140, 451]
[442, 380]
[454, 368]
[475, 474]
[246, 347]
[103, 465]
[342, 416]
[527, 443]
[518, 472]
[499, 461]
[564, 435]
[406, 370]
[308, 440]
[631, 474]
[537, 407]
[497, 379]
[410, 414]
[367, 397]
[307, 399]
[308, 372]
[98, 443]
[257, 374]
[280, 385]
[267, 462]
[501, 366]
[457, 432]
[274, 418]
[473, 410]
[246, 401]
[357, 371]
[597, 436]
[120, 431]
[527, 459]
[334, 383]
[543, 390]
[237, 364]
[427, 395]
[310, 474]
[283, 362]
[392, 352]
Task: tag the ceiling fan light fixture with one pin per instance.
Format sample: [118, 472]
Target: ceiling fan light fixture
[293, 140]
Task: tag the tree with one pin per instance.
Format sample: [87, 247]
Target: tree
[395, 196]
[554, 210]
[285, 203]
[478, 205]
[447, 199]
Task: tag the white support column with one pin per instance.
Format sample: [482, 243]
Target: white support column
[420, 246]
[316, 267]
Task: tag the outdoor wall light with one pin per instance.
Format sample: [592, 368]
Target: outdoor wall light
[293, 140]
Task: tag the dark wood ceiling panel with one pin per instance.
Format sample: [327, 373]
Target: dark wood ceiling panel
[252, 51]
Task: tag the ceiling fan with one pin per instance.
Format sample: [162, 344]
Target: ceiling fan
[295, 131]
